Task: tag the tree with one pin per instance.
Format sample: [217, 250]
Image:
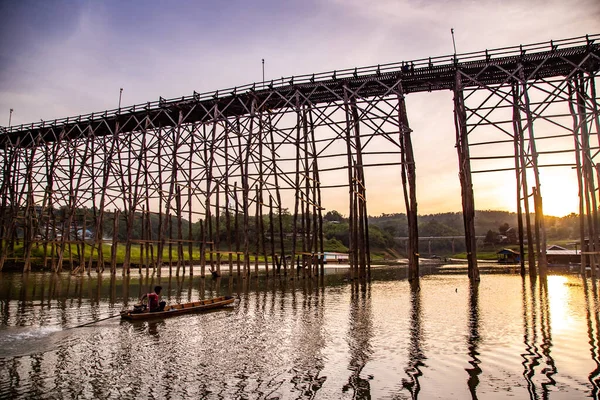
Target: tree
[333, 215]
[490, 237]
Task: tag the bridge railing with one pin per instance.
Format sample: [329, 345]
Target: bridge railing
[349, 73]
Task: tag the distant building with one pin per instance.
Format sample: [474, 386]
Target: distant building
[511, 235]
[508, 256]
[331, 257]
[557, 255]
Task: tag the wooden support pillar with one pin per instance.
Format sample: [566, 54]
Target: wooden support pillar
[464, 170]
[542, 261]
[282, 259]
[259, 199]
[202, 246]
[588, 175]
[296, 180]
[29, 207]
[209, 156]
[317, 210]
[307, 223]
[246, 190]
[361, 197]
[520, 171]
[161, 203]
[518, 126]
[257, 228]
[227, 203]
[237, 227]
[592, 99]
[7, 192]
[272, 234]
[180, 257]
[47, 206]
[128, 199]
[190, 236]
[351, 185]
[217, 239]
[409, 187]
[115, 242]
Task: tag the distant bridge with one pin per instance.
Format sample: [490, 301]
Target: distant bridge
[429, 239]
[156, 168]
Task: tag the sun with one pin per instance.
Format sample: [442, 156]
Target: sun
[560, 194]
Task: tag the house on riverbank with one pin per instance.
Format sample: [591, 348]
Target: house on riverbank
[508, 256]
[557, 255]
[332, 258]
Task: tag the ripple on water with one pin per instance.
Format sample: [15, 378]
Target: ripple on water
[302, 340]
[21, 341]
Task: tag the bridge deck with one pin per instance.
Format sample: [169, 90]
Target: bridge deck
[491, 67]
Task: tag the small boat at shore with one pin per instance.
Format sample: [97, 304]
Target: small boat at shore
[178, 309]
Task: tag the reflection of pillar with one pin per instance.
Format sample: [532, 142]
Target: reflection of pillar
[468, 202]
[360, 331]
[527, 365]
[415, 352]
[593, 328]
[473, 340]
[531, 356]
[429, 246]
[453, 251]
[125, 291]
[550, 369]
[308, 359]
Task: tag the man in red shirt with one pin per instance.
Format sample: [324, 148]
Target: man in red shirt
[153, 303]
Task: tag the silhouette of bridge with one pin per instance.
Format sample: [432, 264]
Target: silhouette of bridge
[220, 156]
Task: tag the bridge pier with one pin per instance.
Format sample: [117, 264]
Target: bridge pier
[525, 104]
[464, 171]
[522, 187]
[409, 184]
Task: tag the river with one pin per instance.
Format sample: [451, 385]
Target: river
[325, 338]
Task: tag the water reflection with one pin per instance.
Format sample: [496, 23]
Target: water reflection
[537, 337]
[531, 356]
[550, 369]
[593, 329]
[473, 339]
[416, 355]
[360, 332]
[306, 378]
[301, 338]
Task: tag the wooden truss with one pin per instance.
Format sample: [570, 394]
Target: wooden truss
[264, 149]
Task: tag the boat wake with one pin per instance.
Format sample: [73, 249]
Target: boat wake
[22, 341]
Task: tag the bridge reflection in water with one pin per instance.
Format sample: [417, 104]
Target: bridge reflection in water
[308, 338]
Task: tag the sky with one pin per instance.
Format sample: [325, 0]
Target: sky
[64, 58]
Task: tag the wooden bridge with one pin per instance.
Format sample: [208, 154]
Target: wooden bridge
[219, 157]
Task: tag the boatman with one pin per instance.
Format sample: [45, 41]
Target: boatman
[153, 303]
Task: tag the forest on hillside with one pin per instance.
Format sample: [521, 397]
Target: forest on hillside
[497, 229]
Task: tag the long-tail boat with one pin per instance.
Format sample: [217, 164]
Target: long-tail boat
[177, 309]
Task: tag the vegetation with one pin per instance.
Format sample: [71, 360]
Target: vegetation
[495, 229]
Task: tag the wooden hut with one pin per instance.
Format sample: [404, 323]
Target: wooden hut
[508, 256]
